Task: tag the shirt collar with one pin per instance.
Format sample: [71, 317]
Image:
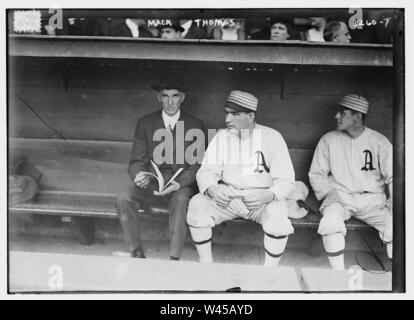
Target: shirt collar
[170, 120]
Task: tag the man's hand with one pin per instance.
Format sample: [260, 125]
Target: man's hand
[174, 186]
[142, 180]
[256, 199]
[220, 194]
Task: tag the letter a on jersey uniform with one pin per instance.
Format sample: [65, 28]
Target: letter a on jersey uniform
[368, 161]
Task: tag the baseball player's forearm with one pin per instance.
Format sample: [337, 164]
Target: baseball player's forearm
[320, 185]
[206, 180]
[319, 171]
[390, 190]
[389, 200]
[386, 163]
[386, 170]
[281, 169]
[282, 188]
[210, 171]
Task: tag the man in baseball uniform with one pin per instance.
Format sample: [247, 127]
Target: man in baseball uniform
[351, 172]
[246, 173]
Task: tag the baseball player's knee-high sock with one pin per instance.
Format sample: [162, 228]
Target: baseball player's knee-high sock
[202, 241]
[389, 250]
[334, 246]
[274, 249]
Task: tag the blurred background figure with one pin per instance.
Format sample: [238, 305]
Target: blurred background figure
[172, 30]
[194, 31]
[337, 31]
[318, 28]
[280, 29]
[72, 27]
[130, 27]
[232, 29]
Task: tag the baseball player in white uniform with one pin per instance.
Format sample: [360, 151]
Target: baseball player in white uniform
[351, 170]
[246, 173]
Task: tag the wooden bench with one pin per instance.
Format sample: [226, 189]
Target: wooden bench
[81, 180]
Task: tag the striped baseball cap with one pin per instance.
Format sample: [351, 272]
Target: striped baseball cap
[242, 101]
[355, 102]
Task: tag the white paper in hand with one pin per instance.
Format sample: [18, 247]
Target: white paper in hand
[160, 178]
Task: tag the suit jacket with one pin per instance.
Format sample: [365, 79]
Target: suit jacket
[144, 145]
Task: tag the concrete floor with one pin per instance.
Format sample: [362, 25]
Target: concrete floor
[155, 249]
[233, 243]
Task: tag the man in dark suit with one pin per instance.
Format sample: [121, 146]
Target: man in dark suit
[172, 123]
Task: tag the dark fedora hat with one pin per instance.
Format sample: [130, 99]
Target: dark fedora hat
[171, 23]
[169, 83]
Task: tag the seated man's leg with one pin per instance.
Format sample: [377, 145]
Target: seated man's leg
[277, 227]
[333, 230]
[127, 204]
[200, 227]
[178, 206]
[203, 214]
[380, 219]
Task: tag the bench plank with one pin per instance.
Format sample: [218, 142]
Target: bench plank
[82, 178]
[103, 206]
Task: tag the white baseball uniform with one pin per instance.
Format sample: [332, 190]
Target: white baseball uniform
[358, 169]
[259, 161]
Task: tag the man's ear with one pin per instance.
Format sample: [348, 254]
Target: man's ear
[182, 96]
[252, 116]
[357, 116]
[159, 96]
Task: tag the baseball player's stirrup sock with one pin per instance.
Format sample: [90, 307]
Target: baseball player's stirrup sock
[334, 246]
[274, 247]
[202, 240]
